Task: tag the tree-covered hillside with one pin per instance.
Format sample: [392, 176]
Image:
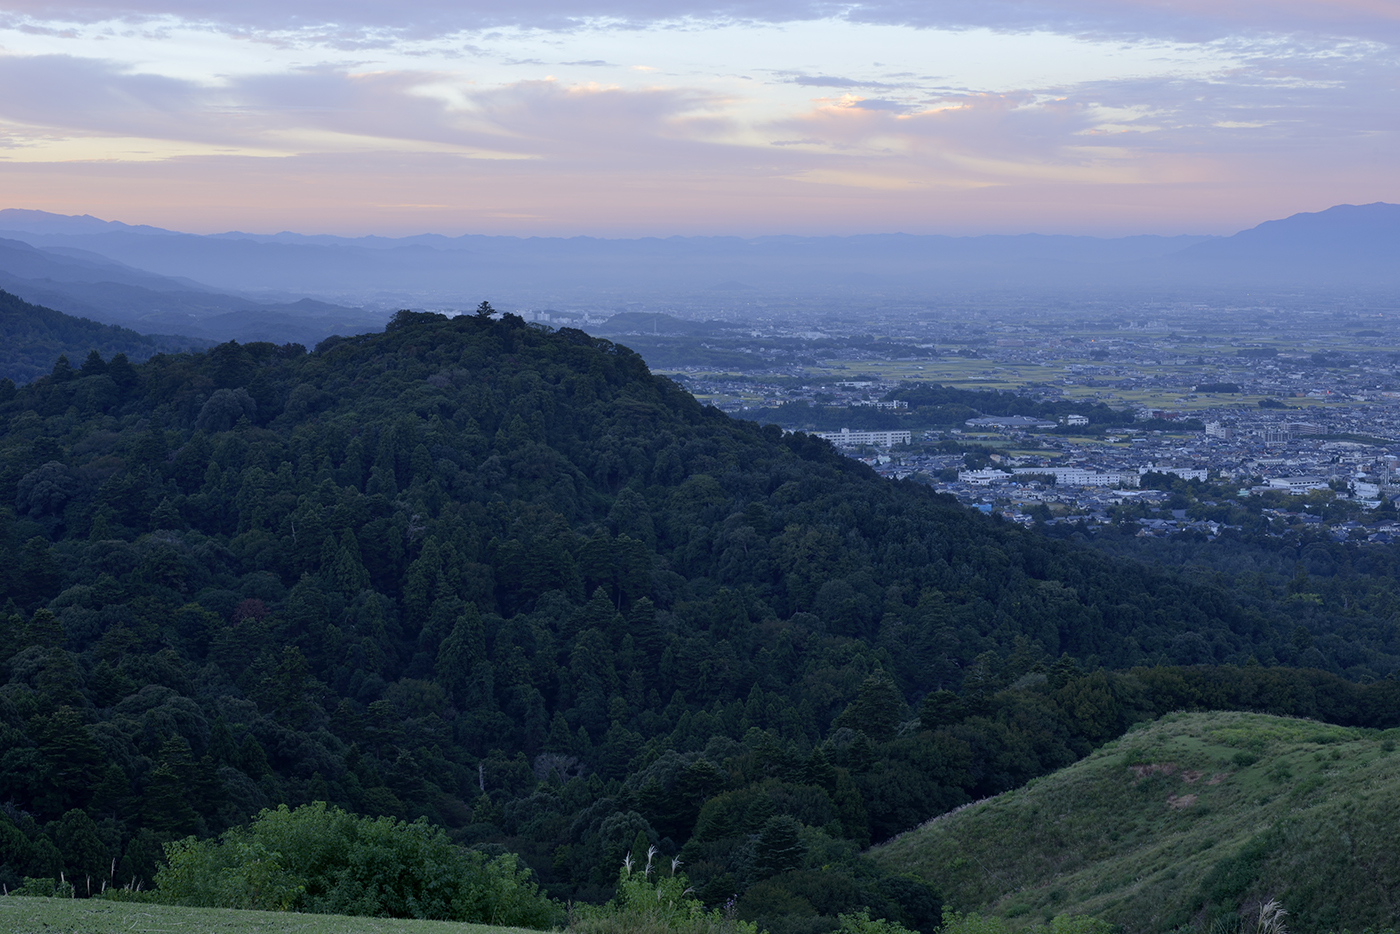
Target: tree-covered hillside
[505, 579]
[33, 337]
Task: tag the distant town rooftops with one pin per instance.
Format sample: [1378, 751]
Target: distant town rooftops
[1020, 422]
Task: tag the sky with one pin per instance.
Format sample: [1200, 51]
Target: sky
[624, 118]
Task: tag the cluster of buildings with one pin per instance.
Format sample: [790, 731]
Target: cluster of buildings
[1083, 481]
[1076, 476]
[1300, 403]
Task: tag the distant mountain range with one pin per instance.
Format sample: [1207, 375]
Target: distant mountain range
[89, 284]
[1347, 244]
[289, 286]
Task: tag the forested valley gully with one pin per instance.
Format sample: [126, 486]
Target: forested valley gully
[477, 619]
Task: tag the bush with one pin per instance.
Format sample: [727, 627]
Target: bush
[648, 902]
[861, 923]
[323, 860]
[45, 888]
[956, 923]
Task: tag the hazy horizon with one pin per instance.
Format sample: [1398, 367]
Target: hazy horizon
[110, 223]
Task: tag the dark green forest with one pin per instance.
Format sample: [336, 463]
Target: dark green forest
[33, 337]
[504, 579]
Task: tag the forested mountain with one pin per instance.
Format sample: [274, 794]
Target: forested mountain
[504, 578]
[32, 338]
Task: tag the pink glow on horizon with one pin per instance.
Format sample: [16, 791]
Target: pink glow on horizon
[312, 195]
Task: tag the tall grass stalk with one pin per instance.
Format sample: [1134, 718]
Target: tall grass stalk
[651, 903]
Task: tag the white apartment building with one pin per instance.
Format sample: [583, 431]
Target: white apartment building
[1185, 473]
[1363, 488]
[1298, 484]
[982, 477]
[1084, 476]
[845, 438]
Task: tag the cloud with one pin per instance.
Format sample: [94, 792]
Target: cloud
[824, 81]
[690, 142]
[880, 104]
[1190, 20]
[830, 81]
[330, 110]
[100, 97]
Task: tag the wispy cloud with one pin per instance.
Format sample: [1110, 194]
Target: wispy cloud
[669, 116]
[827, 81]
[1190, 20]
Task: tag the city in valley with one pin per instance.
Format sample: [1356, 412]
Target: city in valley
[1168, 419]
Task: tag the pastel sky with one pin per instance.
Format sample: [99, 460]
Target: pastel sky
[627, 117]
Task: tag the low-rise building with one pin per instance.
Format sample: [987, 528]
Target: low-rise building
[1185, 473]
[1084, 476]
[1298, 484]
[1013, 422]
[982, 477]
[845, 438]
[1366, 488]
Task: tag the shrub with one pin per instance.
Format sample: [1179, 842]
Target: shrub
[45, 888]
[861, 923]
[956, 923]
[648, 902]
[323, 860]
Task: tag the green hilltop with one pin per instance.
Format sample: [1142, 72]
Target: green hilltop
[1191, 819]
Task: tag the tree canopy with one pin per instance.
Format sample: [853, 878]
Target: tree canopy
[505, 579]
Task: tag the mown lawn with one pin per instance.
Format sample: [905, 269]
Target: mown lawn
[95, 916]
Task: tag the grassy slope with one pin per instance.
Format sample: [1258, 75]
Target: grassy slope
[1189, 816]
[84, 916]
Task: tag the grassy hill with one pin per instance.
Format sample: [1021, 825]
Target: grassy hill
[1184, 821]
[92, 916]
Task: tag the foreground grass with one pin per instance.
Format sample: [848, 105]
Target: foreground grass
[95, 916]
[1183, 821]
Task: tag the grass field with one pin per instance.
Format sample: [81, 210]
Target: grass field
[1186, 819]
[95, 916]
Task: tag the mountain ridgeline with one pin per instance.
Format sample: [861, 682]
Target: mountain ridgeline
[503, 578]
[32, 338]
